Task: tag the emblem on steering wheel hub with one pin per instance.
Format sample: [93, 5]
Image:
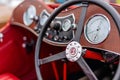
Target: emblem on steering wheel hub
[73, 51]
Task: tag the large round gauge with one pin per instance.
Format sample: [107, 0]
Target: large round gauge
[29, 15]
[97, 29]
[66, 25]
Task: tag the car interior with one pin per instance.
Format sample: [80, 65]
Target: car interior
[74, 40]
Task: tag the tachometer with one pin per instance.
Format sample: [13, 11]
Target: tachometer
[29, 14]
[97, 29]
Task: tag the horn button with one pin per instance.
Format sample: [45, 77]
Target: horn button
[73, 51]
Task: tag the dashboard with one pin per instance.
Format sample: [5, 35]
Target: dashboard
[99, 28]
[60, 30]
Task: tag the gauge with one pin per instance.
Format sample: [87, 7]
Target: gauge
[66, 25]
[29, 15]
[43, 19]
[97, 29]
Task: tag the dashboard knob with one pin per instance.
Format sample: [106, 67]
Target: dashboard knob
[34, 18]
[74, 26]
[56, 25]
[56, 38]
[35, 28]
[65, 37]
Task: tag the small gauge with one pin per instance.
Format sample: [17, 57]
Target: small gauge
[97, 29]
[43, 19]
[66, 25]
[29, 15]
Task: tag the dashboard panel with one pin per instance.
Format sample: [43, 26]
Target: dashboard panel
[63, 27]
[27, 12]
[60, 30]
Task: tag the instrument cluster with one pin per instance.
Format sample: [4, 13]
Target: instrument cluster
[32, 16]
[61, 29]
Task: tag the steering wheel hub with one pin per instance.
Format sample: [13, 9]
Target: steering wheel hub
[73, 51]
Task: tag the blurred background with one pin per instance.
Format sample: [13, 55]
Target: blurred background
[7, 7]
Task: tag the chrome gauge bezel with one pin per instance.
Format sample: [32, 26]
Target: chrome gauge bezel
[28, 15]
[108, 28]
[66, 25]
[44, 15]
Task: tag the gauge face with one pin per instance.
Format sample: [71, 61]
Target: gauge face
[97, 29]
[43, 19]
[29, 14]
[66, 25]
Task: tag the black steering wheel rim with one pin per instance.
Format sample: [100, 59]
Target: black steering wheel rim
[114, 14]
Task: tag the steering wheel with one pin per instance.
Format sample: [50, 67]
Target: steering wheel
[74, 50]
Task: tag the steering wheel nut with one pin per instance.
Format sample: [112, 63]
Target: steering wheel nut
[73, 51]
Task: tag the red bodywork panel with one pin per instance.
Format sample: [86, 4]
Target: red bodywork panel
[15, 59]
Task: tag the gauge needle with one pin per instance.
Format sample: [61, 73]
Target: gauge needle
[98, 30]
[92, 31]
[99, 25]
[95, 37]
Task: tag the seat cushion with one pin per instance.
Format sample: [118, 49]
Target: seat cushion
[8, 76]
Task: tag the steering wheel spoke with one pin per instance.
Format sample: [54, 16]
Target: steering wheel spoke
[86, 69]
[51, 58]
[81, 22]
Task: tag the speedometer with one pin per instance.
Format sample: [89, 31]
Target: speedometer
[97, 29]
[29, 14]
